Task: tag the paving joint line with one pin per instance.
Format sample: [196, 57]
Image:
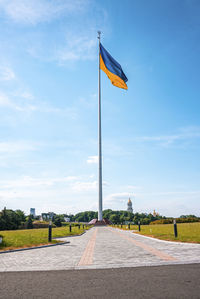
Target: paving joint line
[87, 257]
[162, 255]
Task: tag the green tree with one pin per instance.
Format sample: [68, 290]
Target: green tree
[58, 220]
[114, 218]
[20, 214]
[9, 220]
[29, 223]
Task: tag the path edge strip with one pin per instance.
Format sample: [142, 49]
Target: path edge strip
[35, 247]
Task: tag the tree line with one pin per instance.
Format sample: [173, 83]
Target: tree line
[11, 220]
[122, 217]
[116, 217]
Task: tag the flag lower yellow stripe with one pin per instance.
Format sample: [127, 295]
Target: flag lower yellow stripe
[115, 80]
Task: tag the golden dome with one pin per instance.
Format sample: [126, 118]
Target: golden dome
[129, 201]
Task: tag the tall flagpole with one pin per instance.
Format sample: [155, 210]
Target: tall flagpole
[99, 135]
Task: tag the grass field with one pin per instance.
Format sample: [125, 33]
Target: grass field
[187, 232]
[31, 237]
[125, 227]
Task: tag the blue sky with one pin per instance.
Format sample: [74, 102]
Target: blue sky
[48, 105]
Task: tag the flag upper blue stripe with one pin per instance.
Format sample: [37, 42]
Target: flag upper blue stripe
[112, 65]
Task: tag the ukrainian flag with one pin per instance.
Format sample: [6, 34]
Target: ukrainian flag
[112, 69]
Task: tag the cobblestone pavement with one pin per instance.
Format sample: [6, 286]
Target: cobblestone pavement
[102, 247]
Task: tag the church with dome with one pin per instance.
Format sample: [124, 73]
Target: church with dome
[129, 206]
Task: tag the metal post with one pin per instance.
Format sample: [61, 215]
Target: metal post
[129, 226]
[139, 226]
[99, 133]
[175, 229]
[70, 228]
[50, 231]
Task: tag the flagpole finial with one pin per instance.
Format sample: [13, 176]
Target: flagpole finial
[99, 34]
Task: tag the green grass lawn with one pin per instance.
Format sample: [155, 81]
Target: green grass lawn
[187, 232]
[31, 237]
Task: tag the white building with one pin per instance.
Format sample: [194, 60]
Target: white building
[67, 219]
[48, 216]
[129, 206]
[32, 212]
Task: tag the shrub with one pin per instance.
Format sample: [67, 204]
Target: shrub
[65, 223]
[42, 224]
[162, 221]
[187, 220]
[178, 220]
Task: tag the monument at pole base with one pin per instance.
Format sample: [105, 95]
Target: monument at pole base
[97, 222]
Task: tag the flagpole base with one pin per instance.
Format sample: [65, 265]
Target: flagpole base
[103, 222]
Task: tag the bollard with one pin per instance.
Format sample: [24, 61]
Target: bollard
[70, 228]
[50, 231]
[121, 225]
[139, 226]
[175, 229]
[129, 226]
[83, 226]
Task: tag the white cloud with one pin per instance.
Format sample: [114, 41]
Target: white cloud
[77, 34]
[92, 160]
[28, 181]
[18, 101]
[81, 185]
[117, 201]
[77, 48]
[118, 197]
[132, 187]
[23, 94]
[16, 146]
[184, 134]
[84, 186]
[6, 74]
[46, 193]
[5, 101]
[37, 11]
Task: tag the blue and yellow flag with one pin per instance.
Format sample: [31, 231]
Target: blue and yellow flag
[112, 69]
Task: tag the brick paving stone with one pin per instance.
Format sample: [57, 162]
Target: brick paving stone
[113, 248]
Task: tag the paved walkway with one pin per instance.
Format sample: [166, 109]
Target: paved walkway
[100, 248]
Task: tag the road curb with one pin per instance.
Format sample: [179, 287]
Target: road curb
[133, 232]
[43, 246]
[167, 241]
[36, 247]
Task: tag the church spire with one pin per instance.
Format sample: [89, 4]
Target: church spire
[129, 206]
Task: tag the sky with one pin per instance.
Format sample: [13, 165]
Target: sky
[49, 105]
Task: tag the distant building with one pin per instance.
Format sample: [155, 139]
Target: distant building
[47, 216]
[32, 212]
[155, 213]
[129, 206]
[67, 219]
